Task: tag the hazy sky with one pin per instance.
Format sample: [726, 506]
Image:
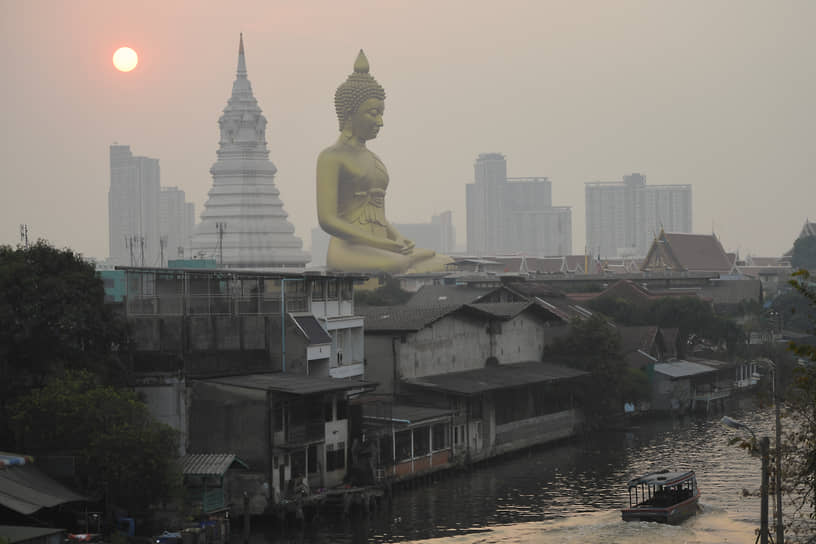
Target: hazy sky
[719, 94]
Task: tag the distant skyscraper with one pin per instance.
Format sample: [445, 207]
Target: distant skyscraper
[176, 222]
[624, 217]
[514, 215]
[133, 209]
[438, 235]
[243, 223]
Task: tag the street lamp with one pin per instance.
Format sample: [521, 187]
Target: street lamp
[764, 446]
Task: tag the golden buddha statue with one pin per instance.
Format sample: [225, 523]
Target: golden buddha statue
[351, 185]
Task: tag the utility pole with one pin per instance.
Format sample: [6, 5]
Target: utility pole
[24, 235]
[764, 446]
[162, 245]
[780, 527]
[221, 227]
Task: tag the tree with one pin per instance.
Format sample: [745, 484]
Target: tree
[53, 313]
[799, 453]
[388, 294]
[594, 346]
[126, 454]
[53, 316]
[804, 253]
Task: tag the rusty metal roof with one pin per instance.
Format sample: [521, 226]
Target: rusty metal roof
[208, 464]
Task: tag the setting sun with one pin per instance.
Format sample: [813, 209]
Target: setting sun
[125, 59]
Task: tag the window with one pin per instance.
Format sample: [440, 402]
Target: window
[439, 436]
[342, 409]
[327, 411]
[318, 292]
[346, 290]
[422, 441]
[335, 456]
[403, 445]
[277, 418]
[331, 290]
[311, 459]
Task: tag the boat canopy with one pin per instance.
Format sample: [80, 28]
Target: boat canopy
[663, 477]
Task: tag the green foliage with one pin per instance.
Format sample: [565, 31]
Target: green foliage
[387, 294]
[800, 453]
[693, 317]
[594, 346]
[127, 454]
[52, 314]
[804, 253]
[795, 311]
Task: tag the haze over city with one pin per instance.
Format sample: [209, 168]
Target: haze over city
[713, 94]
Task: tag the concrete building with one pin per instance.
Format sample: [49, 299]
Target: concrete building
[243, 224]
[623, 218]
[514, 215]
[480, 362]
[176, 224]
[133, 208]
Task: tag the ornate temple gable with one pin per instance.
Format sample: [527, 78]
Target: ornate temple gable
[660, 257]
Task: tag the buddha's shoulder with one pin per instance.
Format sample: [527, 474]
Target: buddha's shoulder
[342, 152]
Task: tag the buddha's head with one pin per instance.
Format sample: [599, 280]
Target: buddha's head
[359, 93]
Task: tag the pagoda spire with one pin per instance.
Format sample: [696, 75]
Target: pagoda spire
[242, 71]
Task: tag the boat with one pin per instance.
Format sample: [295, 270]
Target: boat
[662, 496]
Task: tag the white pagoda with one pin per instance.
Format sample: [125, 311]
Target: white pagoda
[243, 224]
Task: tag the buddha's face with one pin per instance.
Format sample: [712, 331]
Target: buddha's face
[367, 120]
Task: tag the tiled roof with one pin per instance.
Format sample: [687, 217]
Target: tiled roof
[208, 464]
[637, 338]
[402, 318]
[698, 252]
[490, 378]
[501, 310]
[446, 295]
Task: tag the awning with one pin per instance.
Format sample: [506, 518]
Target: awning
[26, 489]
[209, 464]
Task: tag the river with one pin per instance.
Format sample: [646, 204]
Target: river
[573, 492]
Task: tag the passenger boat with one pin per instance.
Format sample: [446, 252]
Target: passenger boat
[664, 497]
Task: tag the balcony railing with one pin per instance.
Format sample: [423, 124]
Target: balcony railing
[177, 305]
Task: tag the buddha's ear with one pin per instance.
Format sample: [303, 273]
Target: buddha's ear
[347, 124]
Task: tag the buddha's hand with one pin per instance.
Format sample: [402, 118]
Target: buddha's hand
[407, 245]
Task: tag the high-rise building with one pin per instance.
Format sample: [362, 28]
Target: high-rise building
[133, 209]
[176, 223]
[438, 235]
[243, 223]
[514, 215]
[624, 217]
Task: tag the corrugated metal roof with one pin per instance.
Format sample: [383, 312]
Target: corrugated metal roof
[26, 489]
[208, 464]
[491, 378]
[296, 384]
[405, 413]
[682, 369]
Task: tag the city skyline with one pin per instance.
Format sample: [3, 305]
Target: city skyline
[707, 94]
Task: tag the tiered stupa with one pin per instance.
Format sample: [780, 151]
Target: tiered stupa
[243, 224]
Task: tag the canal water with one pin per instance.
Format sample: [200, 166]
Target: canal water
[572, 492]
